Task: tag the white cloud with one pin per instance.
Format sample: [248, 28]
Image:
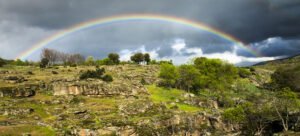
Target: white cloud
[178, 45]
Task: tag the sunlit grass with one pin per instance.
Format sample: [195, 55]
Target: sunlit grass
[159, 94]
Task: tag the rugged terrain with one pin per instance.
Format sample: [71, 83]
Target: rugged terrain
[53, 101]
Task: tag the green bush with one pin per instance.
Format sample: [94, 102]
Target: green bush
[2, 62]
[44, 63]
[107, 78]
[235, 115]
[97, 74]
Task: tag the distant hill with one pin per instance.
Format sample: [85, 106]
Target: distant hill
[273, 64]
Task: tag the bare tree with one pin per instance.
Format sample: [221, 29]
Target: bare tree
[57, 57]
[50, 54]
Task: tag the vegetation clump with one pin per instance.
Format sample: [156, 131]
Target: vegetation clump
[287, 77]
[99, 73]
[44, 63]
[204, 73]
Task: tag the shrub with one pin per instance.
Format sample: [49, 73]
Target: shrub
[30, 73]
[97, 74]
[234, 115]
[44, 63]
[2, 62]
[54, 72]
[143, 81]
[287, 77]
[107, 78]
[90, 61]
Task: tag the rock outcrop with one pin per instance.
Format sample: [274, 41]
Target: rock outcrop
[19, 91]
[98, 88]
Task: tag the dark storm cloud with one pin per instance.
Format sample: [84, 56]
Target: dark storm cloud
[249, 20]
[277, 46]
[24, 23]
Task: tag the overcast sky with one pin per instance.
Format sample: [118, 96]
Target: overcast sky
[272, 27]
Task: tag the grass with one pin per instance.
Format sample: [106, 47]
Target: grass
[159, 94]
[23, 129]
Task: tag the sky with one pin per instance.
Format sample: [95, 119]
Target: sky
[270, 27]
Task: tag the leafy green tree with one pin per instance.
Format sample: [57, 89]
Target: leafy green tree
[168, 74]
[188, 78]
[90, 61]
[114, 57]
[44, 63]
[147, 58]
[215, 74]
[137, 58]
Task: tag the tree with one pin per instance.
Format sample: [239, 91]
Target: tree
[168, 74]
[215, 73]
[284, 103]
[44, 63]
[188, 78]
[2, 62]
[137, 58]
[51, 55]
[90, 61]
[76, 59]
[114, 57]
[147, 58]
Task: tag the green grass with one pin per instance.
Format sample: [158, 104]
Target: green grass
[22, 129]
[159, 94]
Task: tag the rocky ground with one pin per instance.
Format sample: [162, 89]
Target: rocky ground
[54, 101]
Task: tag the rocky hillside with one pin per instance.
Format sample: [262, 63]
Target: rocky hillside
[54, 101]
[288, 61]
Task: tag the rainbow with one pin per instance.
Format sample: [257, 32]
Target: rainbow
[131, 17]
